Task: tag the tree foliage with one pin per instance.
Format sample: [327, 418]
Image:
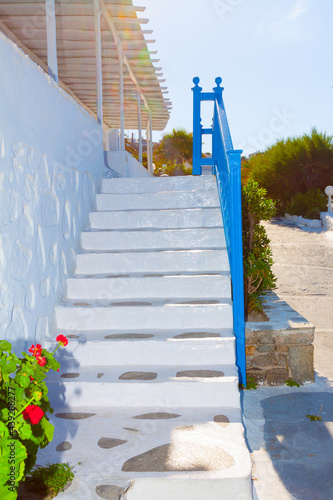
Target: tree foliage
[175, 148]
[172, 170]
[292, 166]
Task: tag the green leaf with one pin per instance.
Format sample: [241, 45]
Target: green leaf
[24, 381]
[314, 417]
[6, 494]
[4, 414]
[13, 454]
[19, 393]
[25, 431]
[291, 383]
[37, 395]
[5, 346]
[251, 384]
[3, 429]
[48, 428]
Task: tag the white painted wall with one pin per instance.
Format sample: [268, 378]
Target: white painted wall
[51, 162]
[125, 165]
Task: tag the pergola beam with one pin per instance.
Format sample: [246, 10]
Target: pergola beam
[51, 33]
[98, 62]
[139, 125]
[107, 16]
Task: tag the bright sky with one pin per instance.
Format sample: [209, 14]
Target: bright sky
[274, 56]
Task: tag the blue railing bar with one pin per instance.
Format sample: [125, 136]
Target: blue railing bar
[224, 127]
[207, 96]
[236, 243]
[207, 131]
[222, 115]
[207, 161]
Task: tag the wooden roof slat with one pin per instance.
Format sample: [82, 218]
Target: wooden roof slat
[86, 20]
[137, 45]
[72, 9]
[81, 23]
[38, 32]
[89, 53]
[106, 60]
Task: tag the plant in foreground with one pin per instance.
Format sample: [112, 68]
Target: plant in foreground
[24, 424]
[250, 384]
[316, 417]
[291, 383]
[53, 477]
[257, 255]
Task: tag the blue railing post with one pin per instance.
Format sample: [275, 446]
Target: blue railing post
[196, 127]
[215, 142]
[236, 243]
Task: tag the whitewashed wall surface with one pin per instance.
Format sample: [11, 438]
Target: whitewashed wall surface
[51, 163]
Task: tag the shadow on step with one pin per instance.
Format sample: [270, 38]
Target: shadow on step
[64, 434]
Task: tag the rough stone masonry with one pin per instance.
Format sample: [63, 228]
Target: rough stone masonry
[281, 348]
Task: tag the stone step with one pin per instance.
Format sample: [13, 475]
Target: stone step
[157, 219]
[134, 385]
[166, 288]
[188, 453]
[158, 201]
[191, 348]
[158, 184]
[178, 239]
[140, 319]
[168, 262]
[115, 334]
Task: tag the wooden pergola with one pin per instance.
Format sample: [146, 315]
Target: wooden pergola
[97, 51]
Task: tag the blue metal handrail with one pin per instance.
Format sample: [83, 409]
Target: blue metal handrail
[226, 163]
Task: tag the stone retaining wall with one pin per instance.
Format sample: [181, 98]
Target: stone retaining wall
[280, 348]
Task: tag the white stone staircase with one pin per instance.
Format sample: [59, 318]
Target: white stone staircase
[147, 396]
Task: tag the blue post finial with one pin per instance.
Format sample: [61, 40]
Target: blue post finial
[218, 90]
[196, 81]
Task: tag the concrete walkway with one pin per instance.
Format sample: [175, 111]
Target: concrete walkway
[292, 456]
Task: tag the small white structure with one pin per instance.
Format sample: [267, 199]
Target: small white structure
[327, 217]
[329, 193]
[298, 219]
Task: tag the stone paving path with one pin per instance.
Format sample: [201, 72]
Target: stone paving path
[304, 269]
[292, 456]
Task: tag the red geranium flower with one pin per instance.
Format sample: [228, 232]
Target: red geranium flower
[62, 339]
[33, 413]
[36, 351]
[41, 361]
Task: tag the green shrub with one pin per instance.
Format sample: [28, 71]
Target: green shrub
[309, 204]
[53, 477]
[292, 166]
[172, 170]
[258, 275]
